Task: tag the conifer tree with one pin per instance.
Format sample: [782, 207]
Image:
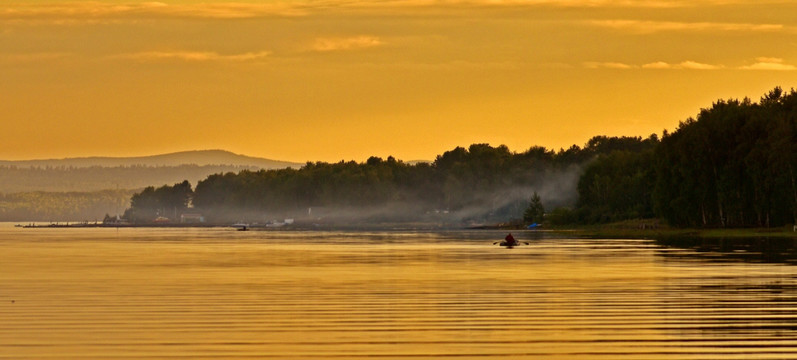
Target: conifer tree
[535, 212]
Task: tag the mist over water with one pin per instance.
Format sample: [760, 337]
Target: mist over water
[220, 294]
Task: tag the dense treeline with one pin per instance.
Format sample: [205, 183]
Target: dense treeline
[474, 183]
[164, 201]
[616, 186]
[480, 183]
[63, 206]
[15, 179]
[734, 165]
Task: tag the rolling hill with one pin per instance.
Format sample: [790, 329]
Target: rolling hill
[88, 188]
[198, 157]
[102, 173]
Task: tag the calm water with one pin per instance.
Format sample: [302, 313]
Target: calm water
[223, 294]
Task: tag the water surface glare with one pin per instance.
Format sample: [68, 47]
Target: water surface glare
[223, 294]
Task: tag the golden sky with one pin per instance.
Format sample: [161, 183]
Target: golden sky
[345, 79]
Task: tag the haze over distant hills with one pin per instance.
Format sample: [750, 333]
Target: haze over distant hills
[198, 157]
[102, 173]
[89, 187]
[86, 188]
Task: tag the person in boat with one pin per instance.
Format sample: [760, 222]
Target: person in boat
[509, 240]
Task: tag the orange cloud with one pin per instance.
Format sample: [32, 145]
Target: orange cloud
[771, 64]
[350, 43]
[195, 56]
[95, 10]
[607, 65]
[86, 10]
[648, 27]
[689, 65]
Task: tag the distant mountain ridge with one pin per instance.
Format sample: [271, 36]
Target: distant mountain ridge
[196, 157]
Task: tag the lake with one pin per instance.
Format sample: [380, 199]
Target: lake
[215, 293]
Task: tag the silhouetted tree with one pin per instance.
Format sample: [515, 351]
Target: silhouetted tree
[535, 211]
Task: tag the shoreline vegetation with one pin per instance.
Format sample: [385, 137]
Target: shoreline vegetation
[733, 166]
[639, 229]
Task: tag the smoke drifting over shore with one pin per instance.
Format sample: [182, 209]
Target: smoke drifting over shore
[480, 184]
[556, 187]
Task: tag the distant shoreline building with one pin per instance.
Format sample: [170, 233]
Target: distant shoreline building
[191, 218]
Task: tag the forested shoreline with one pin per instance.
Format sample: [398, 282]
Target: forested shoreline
[478, 184]
[63, 206]
[733, 165]
[73, 193]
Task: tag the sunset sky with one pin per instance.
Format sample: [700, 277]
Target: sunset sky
[333, 79]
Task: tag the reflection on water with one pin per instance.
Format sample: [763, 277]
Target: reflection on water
[218, 293]
[760, 249]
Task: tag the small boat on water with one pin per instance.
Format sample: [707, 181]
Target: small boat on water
[241, 226]
[509, 242]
